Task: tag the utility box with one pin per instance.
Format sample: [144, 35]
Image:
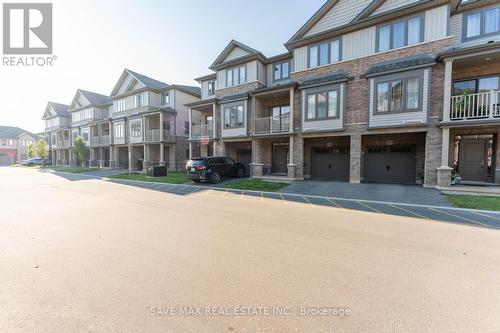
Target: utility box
[156, 171]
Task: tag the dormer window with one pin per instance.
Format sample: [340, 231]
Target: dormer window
[324, 53]
[212, 86]
[281, 71]
[481, 23]
[236, 76]
[165, 98]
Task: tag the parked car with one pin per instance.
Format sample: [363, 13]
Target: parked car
[213, 169]
[35, 161]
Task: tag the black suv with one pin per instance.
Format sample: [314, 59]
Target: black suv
[213, 168]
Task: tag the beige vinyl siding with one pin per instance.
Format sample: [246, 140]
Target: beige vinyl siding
[251, 68]
[251, 71]
[341, 14]
[436, 23]
[180, 98]
[125, 84]
[236, 53]
[300, 59]
[153, 99]
[82, 100]
[204, 90]
[403, 118]
[261, 73]
[359, 43]
[323, 125]
[221, 79]
[391, 5]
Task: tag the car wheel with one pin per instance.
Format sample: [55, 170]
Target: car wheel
[240, 173]
[215, 179]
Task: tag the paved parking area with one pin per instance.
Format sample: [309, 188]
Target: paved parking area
[428, 212]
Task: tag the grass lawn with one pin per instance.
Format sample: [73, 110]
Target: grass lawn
[256, 185]
[474, 201]
[173, 177]
[77, 170]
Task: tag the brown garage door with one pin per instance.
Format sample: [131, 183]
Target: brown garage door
[330, 163]
[390, 164]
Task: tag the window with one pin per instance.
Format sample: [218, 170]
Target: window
[323, 105]
[479, 85]
[281, 71]
[53, 139]
[235, 76]
[481, 23]
[186, 127]
[11, 142]
[324, 53]
[212, 86]
[4, 142]
[165, 98]
[118, 131]
[138, 101]
[136, 128]
[398, 95]
[233, 116]
[120, 105]
[85, 136]
[399, 34]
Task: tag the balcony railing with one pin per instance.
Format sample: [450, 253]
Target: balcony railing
[202, 131]
[94, 141]
[63, 144]
[475, 106]
[104, 140]
[274, 124]
[157, 135]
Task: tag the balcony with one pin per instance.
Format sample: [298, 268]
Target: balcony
[202, 131]
[274, 124]
[157, 135]
[104, 140]
[94, 141]
[485, 105]
[62, 144]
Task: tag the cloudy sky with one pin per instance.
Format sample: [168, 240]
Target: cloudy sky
[172, 41]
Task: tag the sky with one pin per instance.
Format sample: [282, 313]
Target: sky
[171, 41]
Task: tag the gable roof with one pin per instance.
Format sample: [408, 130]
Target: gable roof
[95, 98]
[195, 91]
[145, 80]
[57, 109]
[12, 132]
[233, 44]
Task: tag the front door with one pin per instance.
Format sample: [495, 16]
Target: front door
[472, 160]
[245, 158]
[280, 158]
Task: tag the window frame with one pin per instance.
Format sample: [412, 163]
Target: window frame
[316, 92]
[138, 101]
[165, 98]
[121, 126]
[482, 24]
[132, 131]
[233, 107]
[391, 32]
[232, 70]
[280, 63]
[329, 52]
[403, 77]
[211, 86]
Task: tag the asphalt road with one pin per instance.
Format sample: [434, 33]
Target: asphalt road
[95, 256]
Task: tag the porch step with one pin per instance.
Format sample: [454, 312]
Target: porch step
[471, 190]
[280, 179]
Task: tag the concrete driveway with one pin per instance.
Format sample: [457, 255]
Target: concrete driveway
[409, 194]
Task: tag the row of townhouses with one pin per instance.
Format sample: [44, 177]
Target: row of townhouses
[143, 122]
[403, 91]
[14, 143]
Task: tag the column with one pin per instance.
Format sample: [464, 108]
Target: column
[111, 157]
[214, 121]
[130, 167]
[146, 157]
[101, 160]
[444, 171]
[291, 129]
[190, 150]
[256, 168]
[291, 165]
[190, 122]
[448, 69]
[162, 154]
[355, 159]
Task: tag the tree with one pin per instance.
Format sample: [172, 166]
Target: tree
[42, 150]
[31, 150]
[80, 150]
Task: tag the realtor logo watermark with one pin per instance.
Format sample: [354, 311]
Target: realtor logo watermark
[27, 30]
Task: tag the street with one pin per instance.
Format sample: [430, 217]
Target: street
[88, 255]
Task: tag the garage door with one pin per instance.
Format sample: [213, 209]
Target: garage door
[390, 165]
[5, 160]
[330, 163]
